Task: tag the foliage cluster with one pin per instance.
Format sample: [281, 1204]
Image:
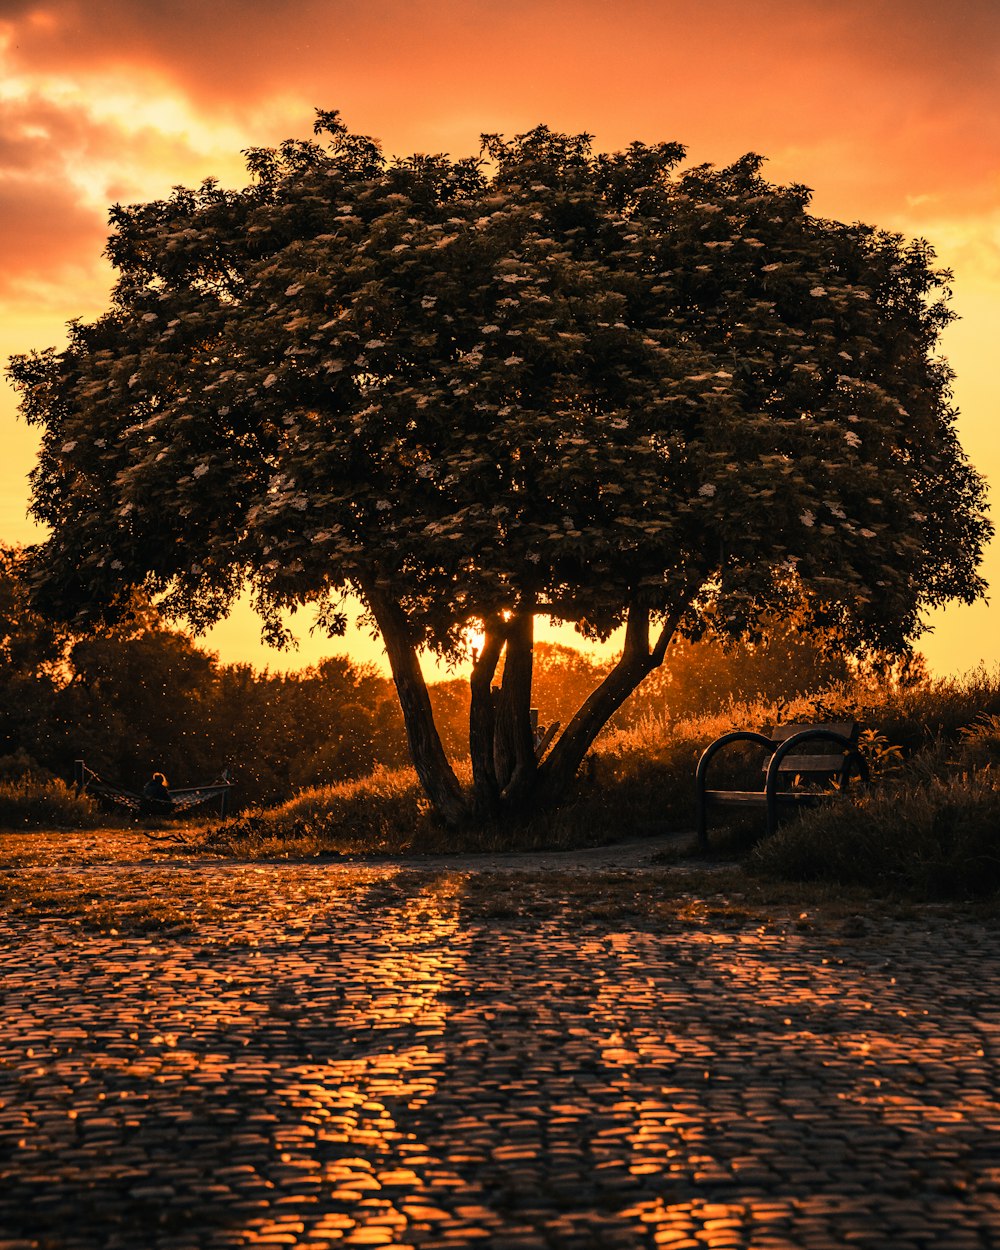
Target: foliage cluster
[45, 803]
[934, 838]
[928, 828]
[146, 697]
[546, 382]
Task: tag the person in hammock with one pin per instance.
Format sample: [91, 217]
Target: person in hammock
[156, 798]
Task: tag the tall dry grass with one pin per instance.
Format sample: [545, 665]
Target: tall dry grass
[637, 781]
[383, 813]
[45, 802]
[928, 827]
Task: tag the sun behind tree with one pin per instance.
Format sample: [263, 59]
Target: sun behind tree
[546, 382]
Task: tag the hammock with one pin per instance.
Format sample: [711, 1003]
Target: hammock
[182, 799]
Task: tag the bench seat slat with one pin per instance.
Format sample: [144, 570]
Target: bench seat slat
[757, 798]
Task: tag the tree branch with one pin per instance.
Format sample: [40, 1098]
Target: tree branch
[636, 662]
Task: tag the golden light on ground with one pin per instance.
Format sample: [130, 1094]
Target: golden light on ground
[375, 1169]
[323, 1053]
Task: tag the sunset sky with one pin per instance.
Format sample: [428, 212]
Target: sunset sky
[887, 108]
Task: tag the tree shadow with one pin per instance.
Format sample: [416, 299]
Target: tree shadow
[399, 1066]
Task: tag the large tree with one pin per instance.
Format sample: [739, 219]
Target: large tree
[544, 382]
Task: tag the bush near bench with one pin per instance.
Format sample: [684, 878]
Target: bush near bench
[932, 839]
[928, 827]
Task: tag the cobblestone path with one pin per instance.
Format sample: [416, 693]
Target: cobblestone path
[333, 1056]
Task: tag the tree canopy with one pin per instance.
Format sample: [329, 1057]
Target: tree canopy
[601, 388]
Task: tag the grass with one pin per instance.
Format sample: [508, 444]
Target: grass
[927, 830]
[933, 839]
[638, 782]
[31, 802]
[382, 814]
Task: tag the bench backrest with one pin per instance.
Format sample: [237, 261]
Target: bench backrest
[819, 756]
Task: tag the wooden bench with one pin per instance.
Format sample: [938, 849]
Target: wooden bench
[806, 755]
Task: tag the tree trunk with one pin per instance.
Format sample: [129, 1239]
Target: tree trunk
[637, 661]
[482, 720]
[436, 775]
[514, 741]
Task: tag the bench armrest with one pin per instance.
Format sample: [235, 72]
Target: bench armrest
[851, 755]
[739, 735]
[701, 776]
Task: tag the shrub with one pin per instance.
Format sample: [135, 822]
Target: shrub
[34, 803]
[930, 838]
[380, 813]
[20, 766]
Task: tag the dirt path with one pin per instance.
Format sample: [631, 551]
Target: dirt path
[74, 848]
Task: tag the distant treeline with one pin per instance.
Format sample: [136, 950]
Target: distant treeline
[150, 698]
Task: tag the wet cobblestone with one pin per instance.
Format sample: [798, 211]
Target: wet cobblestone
[339, 1063]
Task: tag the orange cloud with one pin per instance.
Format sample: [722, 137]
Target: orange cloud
[885, 107]
[60, 169]
[46, 228]
[44, 231]
[866, 98]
